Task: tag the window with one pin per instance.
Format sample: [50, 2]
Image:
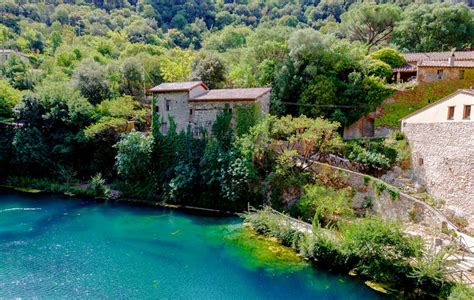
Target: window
[164, 128]
[439, 74]
[191, 112]
[450, 112]
[157, 108]
[168, 105]
[420, 161]
[467, 112]
[461, 74]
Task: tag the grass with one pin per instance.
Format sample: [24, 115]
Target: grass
[408, 101]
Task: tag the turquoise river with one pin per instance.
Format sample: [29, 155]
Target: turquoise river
[56, 247]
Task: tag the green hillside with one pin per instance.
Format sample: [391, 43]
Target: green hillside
[408, 101]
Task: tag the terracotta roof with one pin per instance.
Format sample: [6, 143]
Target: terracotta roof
[250, 94]
[445, 64]
[177, 86]
[405, 68]
[458, 55]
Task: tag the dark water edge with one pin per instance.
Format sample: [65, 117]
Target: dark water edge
[73, 247]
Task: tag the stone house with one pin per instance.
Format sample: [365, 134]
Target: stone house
[5, 54]
[193, 105]
[441, 137]
[433, 66]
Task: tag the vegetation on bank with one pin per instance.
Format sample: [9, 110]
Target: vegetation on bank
[407, 101]
[370, 247]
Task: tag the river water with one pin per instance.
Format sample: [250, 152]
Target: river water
[56, 247]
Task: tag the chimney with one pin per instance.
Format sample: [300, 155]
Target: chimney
[451, 59]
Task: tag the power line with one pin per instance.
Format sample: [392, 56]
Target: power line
[319, 105]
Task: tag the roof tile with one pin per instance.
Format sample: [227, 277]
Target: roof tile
[250, 94]
[177, 86]
[458, 55]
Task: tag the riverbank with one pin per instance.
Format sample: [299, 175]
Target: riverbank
[371, 248]
[327, 254]
[84, 190]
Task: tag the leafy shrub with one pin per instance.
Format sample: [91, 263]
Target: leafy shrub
[133, 156]
[372, 154]
[431, 268]
[378, 68]
[389, 56]
[323, 247]
[97, 184]
[323, 206]
[268, 223]
[381, 249]
[461, 292]
[9, 97]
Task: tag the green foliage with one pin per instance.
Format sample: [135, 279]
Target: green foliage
[435, 27]
[97, 184]
[210, 69]
[432, 268]
[407, 101]
[378, 68]
[374, 154]
[268, 223]
[133, 156]
[461, 292]
[247, 117]
[17, 72]
[30, 150]
[389, 56]
[9, 97]
[132, 76]
[323, 206]
[324, 77]
[381, 248]
[370, 23]
[90, 78]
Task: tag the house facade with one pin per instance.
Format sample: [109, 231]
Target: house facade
[6, 54]
[193, 105]
[441, 137]
[433, 66]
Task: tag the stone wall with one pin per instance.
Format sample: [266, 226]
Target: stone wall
[426, 74]
[178, 109]
[385, 200]
[364, 127]
[443, 161]
[197, 115]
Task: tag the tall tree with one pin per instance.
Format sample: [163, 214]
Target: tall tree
[209, 68]
[371, 23]
[435, 27]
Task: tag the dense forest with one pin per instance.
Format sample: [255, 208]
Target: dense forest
[75, 75]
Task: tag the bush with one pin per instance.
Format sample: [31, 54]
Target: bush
[461, 292]
[380, 248]
[389, 56]
[430, 269]
[268, 223]
[323, 206]
[378, 68]
[323, 247]
[376, 154]
[9, 97]
[97, 184]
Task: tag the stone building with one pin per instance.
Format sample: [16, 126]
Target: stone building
[6, 54]
[441, 137]
[193, 105]
[432, 66]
